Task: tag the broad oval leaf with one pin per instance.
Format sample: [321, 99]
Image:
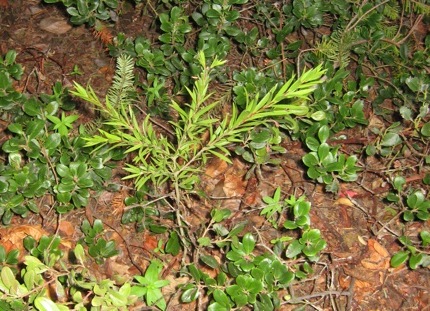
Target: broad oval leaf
[294, 249]
[399, 258]
[210, 261]
[312, 143]
[425, 130]
[45, 304]
[323, 133]
[391, 139]
[248, 242]
[190, 294]
[173, 245]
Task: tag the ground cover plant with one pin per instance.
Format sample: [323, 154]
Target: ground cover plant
[174, 183]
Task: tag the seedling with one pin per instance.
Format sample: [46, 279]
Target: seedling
[150, 285]
[98, 247]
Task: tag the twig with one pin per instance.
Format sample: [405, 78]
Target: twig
[351, 291]
[149, 202]
[316, 295]
[127, 248]
[384, 226]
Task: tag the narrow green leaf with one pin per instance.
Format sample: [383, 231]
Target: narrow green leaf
[210, 261]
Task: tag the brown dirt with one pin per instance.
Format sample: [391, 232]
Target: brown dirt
[354, 272]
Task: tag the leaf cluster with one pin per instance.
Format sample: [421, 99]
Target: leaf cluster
[158, 159]
[325, 164]
[45, 268]
[246, 276]
[44, 155]
[98, 247]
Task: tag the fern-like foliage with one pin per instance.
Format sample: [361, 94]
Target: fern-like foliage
[417, 6]
[156, 159]
[122, 92]
[391, 10]
[337, 46]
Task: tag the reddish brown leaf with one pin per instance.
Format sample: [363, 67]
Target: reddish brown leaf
[150, 242]
[67, 228]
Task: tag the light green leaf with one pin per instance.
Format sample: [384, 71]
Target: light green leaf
[248, 242]
[399, 258]
[391, 139]
[45, 304]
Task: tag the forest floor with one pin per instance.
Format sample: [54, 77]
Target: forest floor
[354, 271]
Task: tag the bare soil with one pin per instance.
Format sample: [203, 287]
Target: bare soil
[354, 271]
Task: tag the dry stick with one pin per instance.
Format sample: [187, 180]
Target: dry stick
[357, 19]
[316, 295]
[149, 202]
[128, 249]
[159, 124]
[412, 149]
[330, 284]
[417, 21]
[384, 226]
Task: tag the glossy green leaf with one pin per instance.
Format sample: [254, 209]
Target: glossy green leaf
[294, 249]
[5, 81]
[15, 128]
[210, 261]
[173, 245]
[415, 260]
[35, 128]
[82, 7]
[32, 107]
[2, 254]
[216, 306]
[425, 129]
[312, 143]
[45, 304]
[425, 237]
[53, 141]
[391, 139]
[219, 215]
[248, 242]
[7, 277]
[190, 294]
[221, 298]
[399, 258]
[323, 133]
[311, 159]
[323, 152]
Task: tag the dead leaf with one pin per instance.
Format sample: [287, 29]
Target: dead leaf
[12, 237]
[347, 193]
[344, 201]
[233, 186]
[234, 183]
[379, 258]
[252, 197]
[4, 3]
[363, 285]
[379, 248]
[344, 281]
[216, 167]
[66, 227]
[150, 242]
[118, 204]
[55, 25]
[114, 268]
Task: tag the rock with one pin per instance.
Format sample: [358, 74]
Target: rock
[55, 25]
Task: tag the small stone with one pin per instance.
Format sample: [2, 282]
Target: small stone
[55, 25]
